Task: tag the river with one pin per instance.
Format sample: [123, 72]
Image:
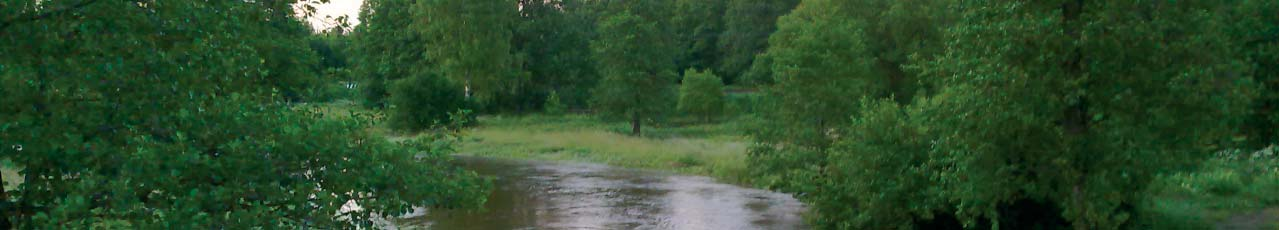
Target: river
[544, 195]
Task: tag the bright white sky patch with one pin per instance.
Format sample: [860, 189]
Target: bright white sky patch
[326, 14]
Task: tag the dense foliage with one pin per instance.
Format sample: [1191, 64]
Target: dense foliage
[1045, 115]
[910, 113]
[698, 25]
[552, 38]
[701, 94]
[384, 51]
[821, 69]
[1256, 30]
[423, 102]
[882, 114]
[470, 42]
[747, 26]
[175, 114]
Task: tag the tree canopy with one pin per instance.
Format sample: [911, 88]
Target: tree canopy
[470, 42]
[1046, 115]
[384, 50]
[747, 26]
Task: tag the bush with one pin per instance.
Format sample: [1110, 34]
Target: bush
[421, 102]
[882, 170]
[553, 104]
[701, 94]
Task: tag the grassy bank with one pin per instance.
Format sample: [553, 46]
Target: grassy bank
[717, 150]
[1238, 190]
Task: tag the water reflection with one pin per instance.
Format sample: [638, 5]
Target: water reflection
[538, 195]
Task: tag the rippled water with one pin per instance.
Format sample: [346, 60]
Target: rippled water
[541, 195]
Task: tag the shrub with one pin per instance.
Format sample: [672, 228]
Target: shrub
[553, 105]
[424, 101]
[701, 94]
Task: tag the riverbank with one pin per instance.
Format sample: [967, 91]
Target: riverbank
[717, 149]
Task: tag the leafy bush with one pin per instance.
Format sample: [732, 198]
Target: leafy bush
[234, 164]
[883, 172]
[422, 102]
[553, 105]
[701, 95]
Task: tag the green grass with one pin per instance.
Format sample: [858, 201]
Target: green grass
[346, 109]
[717, 150]
[1236, 190]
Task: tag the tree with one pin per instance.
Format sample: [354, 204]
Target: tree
[635, 58]
[384, 51]
[1048, 115]
[701, 94]
[747, 26]
[470, 42]
[168, 114]
[822, 68]
[898, 34]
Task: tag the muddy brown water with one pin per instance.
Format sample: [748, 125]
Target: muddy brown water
[544, 195]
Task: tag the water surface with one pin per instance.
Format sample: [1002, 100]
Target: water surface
[543, 195]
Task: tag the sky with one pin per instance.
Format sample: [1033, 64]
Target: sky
[335, 8]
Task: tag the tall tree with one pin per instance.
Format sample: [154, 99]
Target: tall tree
[167, 114]
[470, 42]
[636, 60]
[1067, 108]
[747, 25]
[384, 51]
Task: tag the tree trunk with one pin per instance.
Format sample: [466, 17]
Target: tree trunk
[635, 124]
